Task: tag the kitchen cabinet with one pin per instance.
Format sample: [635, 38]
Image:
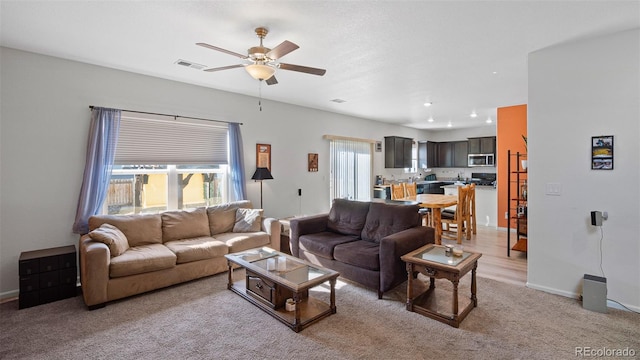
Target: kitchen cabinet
[397, 152]
[432, 154]
[482, 145]
[460, 154]
[452, 154]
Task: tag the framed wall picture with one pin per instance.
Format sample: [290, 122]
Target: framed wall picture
[602, 152]
[313, 162]
[263, 156]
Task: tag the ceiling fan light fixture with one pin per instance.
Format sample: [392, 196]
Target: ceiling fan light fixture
[260, 71]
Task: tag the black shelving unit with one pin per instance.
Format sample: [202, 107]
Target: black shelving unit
[517, 194]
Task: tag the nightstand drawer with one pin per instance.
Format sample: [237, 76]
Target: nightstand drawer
[29, 283]
[49, 263]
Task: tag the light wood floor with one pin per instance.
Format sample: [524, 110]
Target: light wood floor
[494, 263]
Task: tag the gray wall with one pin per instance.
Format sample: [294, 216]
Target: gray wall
[576, 91]
[45, 120]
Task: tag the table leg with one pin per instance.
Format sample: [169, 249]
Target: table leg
[409, 286]
[230, 280]
[333, 295]
[455, 298]
[296, 313]
[437, 224]
[473, 285]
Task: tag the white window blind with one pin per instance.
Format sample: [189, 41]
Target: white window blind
[350, 169]
[162, 140]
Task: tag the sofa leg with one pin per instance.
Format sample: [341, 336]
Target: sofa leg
[97, 306]
[379, 294]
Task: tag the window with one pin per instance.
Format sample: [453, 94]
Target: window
[165, 164]
[351, 167]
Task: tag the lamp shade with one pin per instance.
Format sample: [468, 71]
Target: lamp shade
[260, 71]
[262, 173]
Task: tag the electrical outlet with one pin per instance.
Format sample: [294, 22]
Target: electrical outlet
[506, 215]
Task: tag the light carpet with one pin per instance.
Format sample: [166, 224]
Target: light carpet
[203, 320]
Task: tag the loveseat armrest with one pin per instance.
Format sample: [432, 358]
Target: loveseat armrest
[303, 226]
[272, 227]
[392, 247]
[95, 259]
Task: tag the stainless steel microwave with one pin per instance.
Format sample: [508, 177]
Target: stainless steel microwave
[481, 160]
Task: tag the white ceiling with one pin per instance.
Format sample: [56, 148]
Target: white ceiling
[384, 58]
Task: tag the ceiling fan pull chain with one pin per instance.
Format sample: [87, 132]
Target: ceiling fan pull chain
[260, 95]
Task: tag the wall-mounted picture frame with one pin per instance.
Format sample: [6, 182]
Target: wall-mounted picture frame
[602, 152]
[263, 156]
[313, 162]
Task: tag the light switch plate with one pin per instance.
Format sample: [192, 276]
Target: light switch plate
[554, 189]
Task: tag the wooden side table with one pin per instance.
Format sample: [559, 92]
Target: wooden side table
[432, 261]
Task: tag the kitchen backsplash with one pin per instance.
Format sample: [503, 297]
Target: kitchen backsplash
[440, 173]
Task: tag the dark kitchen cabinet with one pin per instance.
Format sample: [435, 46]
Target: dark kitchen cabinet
[397, 152]
[460, 152]
[445, 154]
[482, 145]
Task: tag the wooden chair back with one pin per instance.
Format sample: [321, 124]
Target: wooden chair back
[472, 207]
[410, 189]
[461, 216]
[397, 191]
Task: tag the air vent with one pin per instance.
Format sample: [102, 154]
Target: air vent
[339, 101]
[189, 64]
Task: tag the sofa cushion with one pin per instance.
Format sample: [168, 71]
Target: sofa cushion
[386, 219]
[247, 220]
[347, 217]
[112, 237]
[361, 253]
[180, 224]
[139, 229]
[200, 248]
[323, 243]
[142, 259]
[243, 241]
[222, 217]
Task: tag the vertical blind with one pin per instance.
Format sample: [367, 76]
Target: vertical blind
[351, 164]
[164, 140]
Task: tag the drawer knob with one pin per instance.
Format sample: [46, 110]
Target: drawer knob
[259, 286]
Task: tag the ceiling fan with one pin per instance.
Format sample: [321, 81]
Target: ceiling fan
[262, 61]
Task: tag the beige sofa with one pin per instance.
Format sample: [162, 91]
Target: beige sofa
[124, 255]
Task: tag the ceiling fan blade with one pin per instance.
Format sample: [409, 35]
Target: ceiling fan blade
[222, 50]
[303, 69]
[281, 50]
[223, 68]
[272, 80]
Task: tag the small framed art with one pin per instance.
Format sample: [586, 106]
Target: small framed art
[263, 156]
[313, 162]
[602, 152]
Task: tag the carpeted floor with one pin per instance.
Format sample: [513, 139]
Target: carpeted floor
[204, 320]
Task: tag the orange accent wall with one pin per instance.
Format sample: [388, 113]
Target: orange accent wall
[511, 125]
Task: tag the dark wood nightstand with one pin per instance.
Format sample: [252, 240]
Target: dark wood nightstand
[47, 275]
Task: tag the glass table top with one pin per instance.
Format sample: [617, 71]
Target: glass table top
[281, 265]
[437, 254]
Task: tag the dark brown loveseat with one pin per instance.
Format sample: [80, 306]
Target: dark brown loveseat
[363, 241]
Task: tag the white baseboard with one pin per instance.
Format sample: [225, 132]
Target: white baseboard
[9, 295]
[610, 304]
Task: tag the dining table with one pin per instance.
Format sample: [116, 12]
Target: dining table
[435, 202]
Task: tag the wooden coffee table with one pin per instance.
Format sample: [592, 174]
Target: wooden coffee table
[432, 261]
[273, 277]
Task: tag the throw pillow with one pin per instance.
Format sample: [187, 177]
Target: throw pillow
[112, 237]
[247, 220]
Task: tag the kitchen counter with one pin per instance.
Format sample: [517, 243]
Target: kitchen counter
[478, 187]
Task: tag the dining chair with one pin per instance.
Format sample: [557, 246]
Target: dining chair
[397, 191]
[410, 189]
[458, 223]
[472, 207]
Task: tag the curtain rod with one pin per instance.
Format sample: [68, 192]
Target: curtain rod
[175, 116]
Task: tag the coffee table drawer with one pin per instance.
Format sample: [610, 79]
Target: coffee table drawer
[267, 290]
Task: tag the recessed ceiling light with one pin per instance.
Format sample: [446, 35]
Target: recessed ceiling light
[473, 114]
[489, 121]
[430, 119]
[339, 101]
[449, 124]
[495, 72]
[428, 103]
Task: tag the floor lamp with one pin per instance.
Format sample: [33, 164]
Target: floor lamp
[261, 173]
